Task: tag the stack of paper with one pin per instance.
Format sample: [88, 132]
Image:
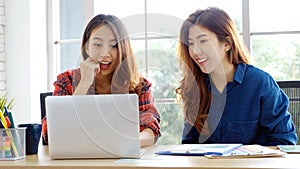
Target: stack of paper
[247, 151]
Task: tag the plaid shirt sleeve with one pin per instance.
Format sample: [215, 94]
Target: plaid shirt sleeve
[66, 82]
[149, 116]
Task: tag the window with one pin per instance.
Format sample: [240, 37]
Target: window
[278, 54]
[275, 37]
[153, 26]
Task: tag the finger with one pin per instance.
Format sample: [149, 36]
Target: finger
[87, 67]
[89, 59]
[97, 69]
[94, 65]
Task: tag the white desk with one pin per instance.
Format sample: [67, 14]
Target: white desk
[150, 160]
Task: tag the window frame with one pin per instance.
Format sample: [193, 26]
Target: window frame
[54, 41]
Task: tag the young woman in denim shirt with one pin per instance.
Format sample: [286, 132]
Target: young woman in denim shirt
[226, 99]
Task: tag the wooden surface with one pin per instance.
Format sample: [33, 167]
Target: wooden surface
[151, 160]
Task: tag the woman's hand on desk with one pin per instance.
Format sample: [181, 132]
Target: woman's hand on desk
[147, 137]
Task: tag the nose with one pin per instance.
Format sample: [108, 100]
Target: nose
[196, 49]
[104, 52]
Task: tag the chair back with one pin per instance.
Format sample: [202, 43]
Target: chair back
[43, 106]
[292, 90]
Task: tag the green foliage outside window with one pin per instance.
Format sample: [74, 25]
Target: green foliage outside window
[277, 55]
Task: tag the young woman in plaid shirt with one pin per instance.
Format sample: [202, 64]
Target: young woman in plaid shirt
[109, 67]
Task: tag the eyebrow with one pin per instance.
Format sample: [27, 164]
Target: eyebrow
[99, 38]
[199, 36]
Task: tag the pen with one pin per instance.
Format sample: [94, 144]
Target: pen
[11, 120]
[3, 120]
[1, 125]
[8, 123]
[7, 120]
[9, 115]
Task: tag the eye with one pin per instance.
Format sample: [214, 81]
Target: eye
[190, 44]
[203, 40]
[114, 45]
[97, 44]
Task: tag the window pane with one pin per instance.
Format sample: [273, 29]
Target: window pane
[71, 19]
[171, 124]
[270, 15]
[138, 47]
[70, 56]
[181, 9]
[277, 54]
[163, 68]
[132, 15]
[135, 25]
[119, 8]
[163, 25]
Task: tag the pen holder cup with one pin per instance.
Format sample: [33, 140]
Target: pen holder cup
[32, 135]
[12, 143]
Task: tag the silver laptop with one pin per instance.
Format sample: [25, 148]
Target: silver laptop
[93, 126]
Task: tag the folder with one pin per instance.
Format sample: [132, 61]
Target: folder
[199, 149]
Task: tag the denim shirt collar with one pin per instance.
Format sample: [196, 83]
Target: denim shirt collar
[240, 73]
[239, 76]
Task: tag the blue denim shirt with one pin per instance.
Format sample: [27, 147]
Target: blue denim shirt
[251, 110]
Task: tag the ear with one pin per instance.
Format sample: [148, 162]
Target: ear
[86, 48]
[227, 44]
[227, 47]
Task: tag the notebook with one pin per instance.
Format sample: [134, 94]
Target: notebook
[290, 148]
[93, 126]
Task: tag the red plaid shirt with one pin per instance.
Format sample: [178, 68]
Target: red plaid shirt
[149, 116]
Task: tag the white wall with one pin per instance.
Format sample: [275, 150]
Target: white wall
[26, 64]
[2, 48]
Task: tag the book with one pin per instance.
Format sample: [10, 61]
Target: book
[250, 151]
[199, 149]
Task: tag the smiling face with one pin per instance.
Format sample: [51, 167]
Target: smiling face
[206, 50]
[102, 48]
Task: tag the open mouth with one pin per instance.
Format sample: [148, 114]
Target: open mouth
[104, 65]
[202, 60]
